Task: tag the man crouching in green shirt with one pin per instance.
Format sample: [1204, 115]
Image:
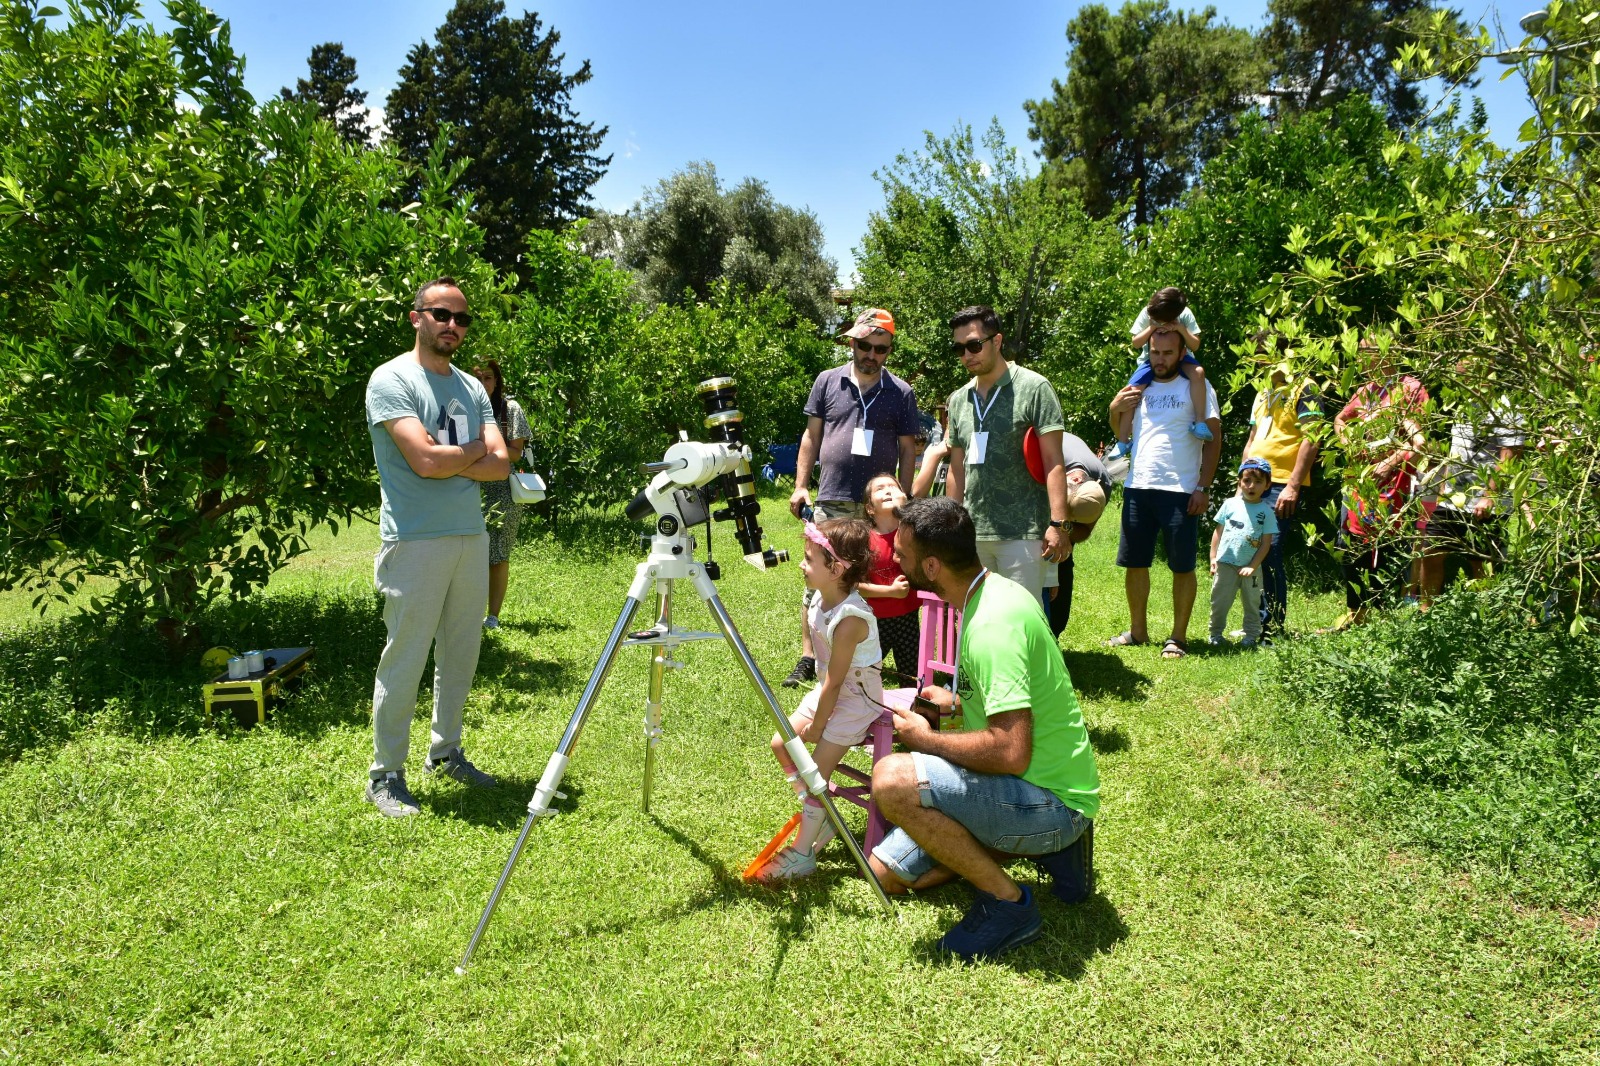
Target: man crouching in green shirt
[1017, 779]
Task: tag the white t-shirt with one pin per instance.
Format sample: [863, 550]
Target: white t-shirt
[1166, 455]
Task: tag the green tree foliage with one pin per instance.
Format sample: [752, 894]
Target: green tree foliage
[206, 287]
[965, 223]
[1150, 95]
[497, 83]
[607, 384]
[1267, 199]
[1499, 263]
[332, 89]
[689, 233]
[1322, 51]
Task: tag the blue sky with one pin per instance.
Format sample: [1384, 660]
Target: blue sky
[810, 98]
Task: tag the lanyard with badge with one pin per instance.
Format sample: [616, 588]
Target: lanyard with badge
[980, 436]
[955, 678]
[861, 436]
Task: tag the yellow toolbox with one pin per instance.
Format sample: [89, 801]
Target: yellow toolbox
[250, 698]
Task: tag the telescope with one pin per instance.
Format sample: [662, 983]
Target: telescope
[678, 498]
[679, 494]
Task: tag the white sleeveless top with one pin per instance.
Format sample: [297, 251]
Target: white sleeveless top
[823, 623]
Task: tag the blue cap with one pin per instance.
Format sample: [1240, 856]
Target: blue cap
[1257, 464]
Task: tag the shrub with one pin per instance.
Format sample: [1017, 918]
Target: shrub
[1488, 725]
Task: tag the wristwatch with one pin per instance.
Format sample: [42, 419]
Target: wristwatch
[1057, 523]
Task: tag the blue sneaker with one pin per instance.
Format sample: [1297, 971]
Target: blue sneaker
[1200, 431]
[993, 927]
[1072, 868]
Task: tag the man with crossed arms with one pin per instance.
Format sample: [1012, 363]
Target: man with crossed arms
[434, 437]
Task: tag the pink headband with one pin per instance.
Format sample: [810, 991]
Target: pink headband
[814, 535]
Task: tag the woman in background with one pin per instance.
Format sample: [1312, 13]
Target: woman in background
[499, 512]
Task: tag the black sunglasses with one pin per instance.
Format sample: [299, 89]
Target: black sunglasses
[867, 346]
[442, 315]
[972, 347]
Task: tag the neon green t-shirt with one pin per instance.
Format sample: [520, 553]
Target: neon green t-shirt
[1009, 661]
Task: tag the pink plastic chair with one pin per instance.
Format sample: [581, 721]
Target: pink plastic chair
[941, 627]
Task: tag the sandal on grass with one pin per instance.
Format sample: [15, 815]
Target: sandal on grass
[1173, 649]
[1125, 640]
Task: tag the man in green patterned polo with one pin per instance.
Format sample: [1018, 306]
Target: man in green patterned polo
[1019, 521]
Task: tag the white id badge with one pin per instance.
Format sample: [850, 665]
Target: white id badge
[978, 448]
[861, 441]
[458, 427]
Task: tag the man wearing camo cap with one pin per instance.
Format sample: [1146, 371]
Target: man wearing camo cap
[861, 421]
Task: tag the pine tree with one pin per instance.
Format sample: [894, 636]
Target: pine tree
[332, 88]
[497, 83]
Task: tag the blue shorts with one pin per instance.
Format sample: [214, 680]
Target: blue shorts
[1000, 811]
[1144, 373]
[1147, 513]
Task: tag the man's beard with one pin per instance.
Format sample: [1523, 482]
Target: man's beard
[918, 582]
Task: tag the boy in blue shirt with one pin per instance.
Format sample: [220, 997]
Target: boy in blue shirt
[1245, 528]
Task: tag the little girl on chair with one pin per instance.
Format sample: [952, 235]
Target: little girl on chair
[837, 714]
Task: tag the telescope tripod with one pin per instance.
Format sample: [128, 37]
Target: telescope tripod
[671, 558]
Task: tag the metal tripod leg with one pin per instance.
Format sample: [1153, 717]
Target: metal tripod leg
[539, 806]
[652, 706]
[797, 750]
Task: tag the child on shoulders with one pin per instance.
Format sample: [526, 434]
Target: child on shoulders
[1168, 309]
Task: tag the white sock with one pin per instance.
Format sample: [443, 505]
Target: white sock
[813, 816]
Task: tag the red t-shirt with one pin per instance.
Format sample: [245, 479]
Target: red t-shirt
[884, 571]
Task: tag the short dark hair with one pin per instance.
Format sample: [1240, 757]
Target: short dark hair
[434, 284]
[943, 529]
[1167, 304]
[980, 314]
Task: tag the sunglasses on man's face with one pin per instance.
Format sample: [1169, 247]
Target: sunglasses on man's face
[442, 315]
[972, 347]
[868, 346]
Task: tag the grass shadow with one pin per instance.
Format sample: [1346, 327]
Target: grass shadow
[1109, 741]
[537, 627]
[501, 807]
[1072, 935]
[1103, 674]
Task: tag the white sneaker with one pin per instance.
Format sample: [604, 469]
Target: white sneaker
[491, 622]
[789, 864]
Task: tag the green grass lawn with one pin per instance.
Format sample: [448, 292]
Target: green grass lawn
[187, 895]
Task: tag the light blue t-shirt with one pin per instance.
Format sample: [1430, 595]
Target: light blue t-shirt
[453, 409]
[1243, 525]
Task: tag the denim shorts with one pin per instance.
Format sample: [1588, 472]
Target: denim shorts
[1151, 513]
[1001, 811]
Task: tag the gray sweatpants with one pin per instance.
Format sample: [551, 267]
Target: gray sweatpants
[1223, 586]
[434, 595]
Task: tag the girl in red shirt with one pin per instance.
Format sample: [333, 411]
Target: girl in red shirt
[893, 601]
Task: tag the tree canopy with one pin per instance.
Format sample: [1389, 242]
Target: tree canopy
[1322, 51]
[331, 88]
[493, 90]
[1150, 95]
[214, 283]
[689, 233]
